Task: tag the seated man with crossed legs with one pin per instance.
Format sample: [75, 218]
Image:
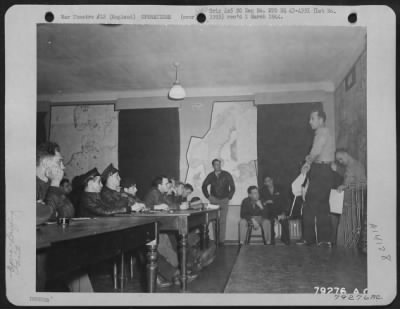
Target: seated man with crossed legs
[276, 203]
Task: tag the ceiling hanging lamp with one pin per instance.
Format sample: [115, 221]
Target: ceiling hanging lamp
[176, 92]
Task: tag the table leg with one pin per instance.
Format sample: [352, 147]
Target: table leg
[152, 267]
[115, 273]
[131, 263]
[183, 247]
[202, 239]
[40, 272]
[217, 229]
[122, 269]
[205, 237]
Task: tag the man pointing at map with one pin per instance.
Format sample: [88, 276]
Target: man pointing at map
[222, 189]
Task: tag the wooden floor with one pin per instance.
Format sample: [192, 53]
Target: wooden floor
[296, 269]
[212, 279]
[261, 269]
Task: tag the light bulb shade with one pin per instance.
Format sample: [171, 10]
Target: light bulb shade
[177, 92]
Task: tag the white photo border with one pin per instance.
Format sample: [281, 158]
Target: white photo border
[20, 144]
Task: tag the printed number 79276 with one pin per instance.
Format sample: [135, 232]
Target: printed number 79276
[329, 290]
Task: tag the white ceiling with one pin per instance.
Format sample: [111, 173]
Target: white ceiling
[96, 58]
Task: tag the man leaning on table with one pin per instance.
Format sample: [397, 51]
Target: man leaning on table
[222, 189]
[156, 199]
[49, 173]
[51, 201]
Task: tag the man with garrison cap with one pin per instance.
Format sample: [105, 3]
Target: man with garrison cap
[91, 203]
[110, 193]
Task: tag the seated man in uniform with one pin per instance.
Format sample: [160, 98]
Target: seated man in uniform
[49, 173]
[179, 193]
[56, 197]
[183, 192]
[43, 152]
[252, 211]
[156, 198]
[276, 205]
[66, 186]
[110, 192]
[129, 190]
[91, 202]
[172, 193]
[51, 201]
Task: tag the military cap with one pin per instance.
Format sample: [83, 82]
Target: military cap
[127, 182]
[84, 179]
[109, 170]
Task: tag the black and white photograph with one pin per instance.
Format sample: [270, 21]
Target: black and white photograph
[205, 159]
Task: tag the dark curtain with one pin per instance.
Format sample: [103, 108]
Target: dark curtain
[41, 134]
[284, 138]
[148, 145]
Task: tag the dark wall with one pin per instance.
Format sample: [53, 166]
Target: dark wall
[41, 134]
[149, 145]
[284, 138]
[351, 111]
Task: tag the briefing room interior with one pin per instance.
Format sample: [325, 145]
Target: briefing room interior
[171, 159]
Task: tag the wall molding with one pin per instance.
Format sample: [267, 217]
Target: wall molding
[291, 97]
[161, 94]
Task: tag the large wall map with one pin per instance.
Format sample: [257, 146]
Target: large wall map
[232, 137]
[87, 135]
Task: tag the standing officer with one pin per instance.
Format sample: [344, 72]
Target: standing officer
[316, 218]
[221, 192]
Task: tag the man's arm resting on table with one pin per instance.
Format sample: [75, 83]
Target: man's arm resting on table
[161, 207]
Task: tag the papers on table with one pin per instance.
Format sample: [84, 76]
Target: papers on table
[212, 206]
[336, 201]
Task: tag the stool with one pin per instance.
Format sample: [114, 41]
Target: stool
[250, 228]
[249, 231]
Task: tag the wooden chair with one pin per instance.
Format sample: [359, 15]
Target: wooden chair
[249, 233]
[121, 276]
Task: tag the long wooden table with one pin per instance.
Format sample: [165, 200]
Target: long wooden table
[183, 221]
[62, 250]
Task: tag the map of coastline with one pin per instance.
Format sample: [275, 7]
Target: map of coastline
[87, 135]
[232, 137]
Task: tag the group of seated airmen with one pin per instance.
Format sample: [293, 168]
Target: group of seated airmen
[94, 194]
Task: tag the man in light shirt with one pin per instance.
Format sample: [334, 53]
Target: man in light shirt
[316, 220]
